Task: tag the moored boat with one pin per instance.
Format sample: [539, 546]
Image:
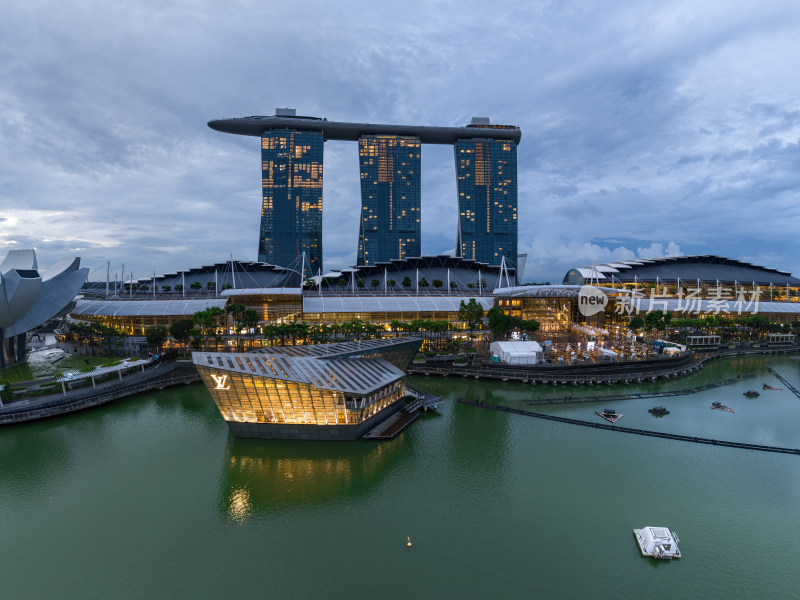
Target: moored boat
[658, 542]
[751, 394]
[721, 406]
[658, 411]
[609, 415]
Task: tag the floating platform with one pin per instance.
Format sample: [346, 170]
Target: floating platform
[657, 542]
[658, 411]
[391, 427]
[721, 406]
[751, 394]
[609, 415]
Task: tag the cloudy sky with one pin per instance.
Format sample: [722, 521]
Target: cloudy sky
[649, 127]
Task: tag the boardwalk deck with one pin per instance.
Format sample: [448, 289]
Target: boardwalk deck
[391, 427]
[658, 434]
[613, 397]
[793, 389]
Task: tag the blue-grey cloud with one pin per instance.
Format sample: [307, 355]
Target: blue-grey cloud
[647, 126]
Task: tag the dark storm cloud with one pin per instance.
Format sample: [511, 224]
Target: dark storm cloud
[664, 126]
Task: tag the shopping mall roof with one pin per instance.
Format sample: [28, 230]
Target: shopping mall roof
[140, 308]
[705, 268]
[437, 261]
[552, 291]
[697, 307]
[272, 291]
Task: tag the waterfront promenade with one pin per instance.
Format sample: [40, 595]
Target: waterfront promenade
[156, 377]
[591, 374]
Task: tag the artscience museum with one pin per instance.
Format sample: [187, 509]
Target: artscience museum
[29, 297]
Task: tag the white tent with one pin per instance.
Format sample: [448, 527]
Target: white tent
[608, 354]
[517, 353]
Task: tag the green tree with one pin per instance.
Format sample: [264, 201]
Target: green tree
[471, 313]
[156, 335]
[211, 286]
[406, 282]
[6, 393]
[636, 323]
[499, 322]
[423, 283]
[437, 283]
[179, 288]
[391, 283]
[375, 283]
[181, 331]
[196, 285]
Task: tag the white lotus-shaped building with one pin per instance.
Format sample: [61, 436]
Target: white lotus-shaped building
[29, 297]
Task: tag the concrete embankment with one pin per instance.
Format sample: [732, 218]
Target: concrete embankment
[156, 377]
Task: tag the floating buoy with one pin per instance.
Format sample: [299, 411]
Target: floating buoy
[408, 544]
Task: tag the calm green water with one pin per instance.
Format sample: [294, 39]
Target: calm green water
[153, 498]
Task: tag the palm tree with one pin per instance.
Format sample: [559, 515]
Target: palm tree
[396, 326]
[249, 320]
[234, 311]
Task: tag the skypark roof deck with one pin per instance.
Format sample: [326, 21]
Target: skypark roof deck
[335, 130]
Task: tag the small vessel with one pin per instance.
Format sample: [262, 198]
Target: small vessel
[658, 542]
[721, 406]
[769, 387]
[751, 394]
[609, 415]
[658, 411]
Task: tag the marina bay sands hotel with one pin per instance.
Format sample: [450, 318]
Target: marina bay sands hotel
[390, 165]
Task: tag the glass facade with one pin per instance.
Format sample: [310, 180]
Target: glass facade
[252, 399]
[390, 198]
[486, 172]
[291, 210]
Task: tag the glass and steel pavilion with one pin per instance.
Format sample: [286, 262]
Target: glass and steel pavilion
[334, 391]
[291, 210]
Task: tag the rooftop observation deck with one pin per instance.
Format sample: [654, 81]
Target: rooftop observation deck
[336, 130]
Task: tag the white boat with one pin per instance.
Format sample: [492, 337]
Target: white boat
[658, 542]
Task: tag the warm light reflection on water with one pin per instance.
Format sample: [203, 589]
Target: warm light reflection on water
[239, 507]
[280, 473]
[497, 505]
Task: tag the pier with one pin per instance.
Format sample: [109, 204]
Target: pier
[793, 389]
[657, 434]
[391, 427]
